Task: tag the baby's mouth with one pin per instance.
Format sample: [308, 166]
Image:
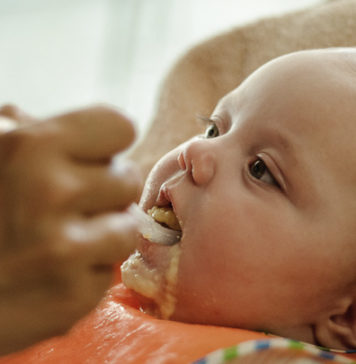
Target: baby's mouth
[157, 281]
[165, 216]
[159, 226]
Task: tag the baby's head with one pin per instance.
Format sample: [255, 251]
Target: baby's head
[266, 200]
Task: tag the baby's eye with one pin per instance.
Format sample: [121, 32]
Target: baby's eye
[259, 170]
[212, 131]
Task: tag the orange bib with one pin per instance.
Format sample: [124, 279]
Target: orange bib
[117, 332]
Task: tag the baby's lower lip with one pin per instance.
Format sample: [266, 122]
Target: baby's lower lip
[154, 255]
[138, 275]
[152, 272]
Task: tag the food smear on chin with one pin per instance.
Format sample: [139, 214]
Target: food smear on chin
[158, 286]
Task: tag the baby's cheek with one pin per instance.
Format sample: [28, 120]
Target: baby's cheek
[197, 287]
[214, 280]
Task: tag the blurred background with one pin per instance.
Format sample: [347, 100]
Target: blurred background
[62, 54]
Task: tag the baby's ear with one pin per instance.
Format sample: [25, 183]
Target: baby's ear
[338, 330]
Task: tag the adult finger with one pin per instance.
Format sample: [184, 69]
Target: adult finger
[6, 124]
[14, 113]
[104, 240]
[106, 188]
[95, 133]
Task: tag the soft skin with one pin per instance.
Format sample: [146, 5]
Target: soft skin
[63, 224]
[267, 205]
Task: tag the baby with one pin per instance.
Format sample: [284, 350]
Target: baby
[266, 202]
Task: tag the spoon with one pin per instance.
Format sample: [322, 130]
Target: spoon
[152, 230]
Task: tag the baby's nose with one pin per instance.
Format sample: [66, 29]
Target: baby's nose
[199, 160]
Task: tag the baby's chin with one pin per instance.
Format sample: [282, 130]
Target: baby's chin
[152, 273]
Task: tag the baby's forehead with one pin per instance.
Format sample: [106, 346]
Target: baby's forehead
[306, 83]
[308, 97]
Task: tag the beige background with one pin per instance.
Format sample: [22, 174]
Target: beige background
[62, 54]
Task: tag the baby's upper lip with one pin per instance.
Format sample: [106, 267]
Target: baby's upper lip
[164, 196]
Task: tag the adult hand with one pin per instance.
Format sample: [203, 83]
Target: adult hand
[63, 224]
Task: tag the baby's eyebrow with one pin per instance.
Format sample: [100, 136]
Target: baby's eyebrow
[202, 120]
[284, 142]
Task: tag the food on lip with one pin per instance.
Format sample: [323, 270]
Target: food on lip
[149, 281]
[165, 215]
[157, 285]
[152, 230]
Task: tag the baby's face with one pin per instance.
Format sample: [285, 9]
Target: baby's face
[266, 200]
